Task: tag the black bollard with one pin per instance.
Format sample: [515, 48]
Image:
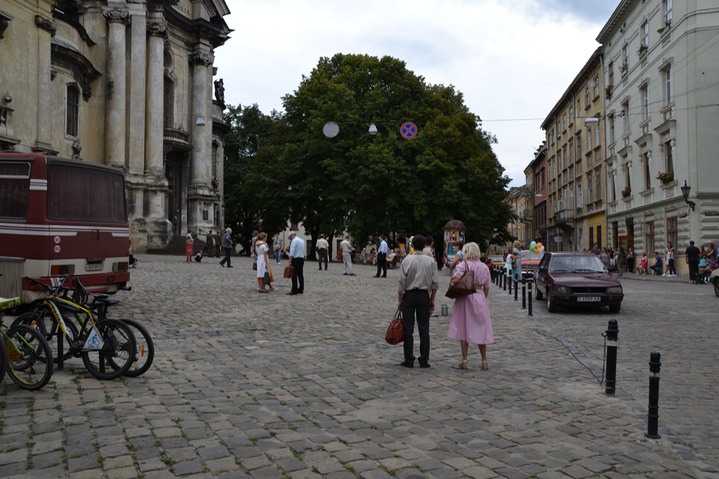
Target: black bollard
[612, 336]
[653, 417]
[524, 294]
[509, 280]
[529, 298]
[516, 289]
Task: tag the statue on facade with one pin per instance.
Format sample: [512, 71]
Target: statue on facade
[76, 149]
[220, 91]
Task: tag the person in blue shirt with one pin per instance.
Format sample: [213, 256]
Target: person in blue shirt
[382, 251]
[658, 266]
[297, 260]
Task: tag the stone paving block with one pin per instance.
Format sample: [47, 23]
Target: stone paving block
[221, 464]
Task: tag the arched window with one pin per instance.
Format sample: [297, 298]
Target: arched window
[72, 110]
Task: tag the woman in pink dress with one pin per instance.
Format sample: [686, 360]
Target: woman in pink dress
[471, 322]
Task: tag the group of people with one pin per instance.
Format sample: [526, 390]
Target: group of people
[263, 267]
[470, 323]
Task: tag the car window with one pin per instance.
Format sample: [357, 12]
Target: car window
[577, 264]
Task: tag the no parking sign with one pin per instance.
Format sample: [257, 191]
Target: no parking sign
[408, 130]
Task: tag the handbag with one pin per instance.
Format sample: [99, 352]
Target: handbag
[266, 280]
[395, 330]
[463, 287]
[254, 266]
[289, 272]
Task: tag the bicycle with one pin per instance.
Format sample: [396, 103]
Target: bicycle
[107, 347]
[25, 355]
[145, 347]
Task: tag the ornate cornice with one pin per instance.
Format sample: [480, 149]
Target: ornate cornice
[117, 15]
[45, 24]
[157, 28]
[201, 58]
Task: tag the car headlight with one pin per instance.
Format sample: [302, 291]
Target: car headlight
[614, 290]
[563, 290]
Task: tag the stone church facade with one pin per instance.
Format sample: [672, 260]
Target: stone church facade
[127, 83]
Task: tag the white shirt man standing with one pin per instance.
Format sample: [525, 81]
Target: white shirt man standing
[323, 249]
[346, 249]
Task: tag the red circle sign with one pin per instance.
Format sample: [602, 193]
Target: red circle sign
[408, 130]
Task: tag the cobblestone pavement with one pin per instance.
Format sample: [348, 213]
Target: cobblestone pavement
[249, 385]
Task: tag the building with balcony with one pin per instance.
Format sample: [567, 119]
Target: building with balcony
[661, 62]
[575, 166]
[127, 83]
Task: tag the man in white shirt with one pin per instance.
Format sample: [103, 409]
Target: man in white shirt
[322, 251]
[346, 249]
[418, 284]
[297, 260]
[382, 251]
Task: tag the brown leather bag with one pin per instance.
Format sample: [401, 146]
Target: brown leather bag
[463, 287]
[289, 272]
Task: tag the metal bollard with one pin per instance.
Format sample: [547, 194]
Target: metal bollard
[524, 294]
[612, 336]
[516, 289]
[509, 280]
[529, 298]
[653, 417]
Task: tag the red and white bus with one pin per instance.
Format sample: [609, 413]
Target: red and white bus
[61, 217]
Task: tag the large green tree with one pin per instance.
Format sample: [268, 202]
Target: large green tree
[372, 184]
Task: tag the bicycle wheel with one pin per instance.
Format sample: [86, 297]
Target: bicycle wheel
[29, 357]
[145, 349]
[116, 354]
[44, 321]
[3, 357]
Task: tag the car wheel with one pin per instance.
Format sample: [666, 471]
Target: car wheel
[614, 308]
[539, 295]
[716, 286]
[551, 304]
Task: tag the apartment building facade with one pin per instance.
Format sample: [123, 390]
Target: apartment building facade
[661, 62]
[127, 83]
[575, 163]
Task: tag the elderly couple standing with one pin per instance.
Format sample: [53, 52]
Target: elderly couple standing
[470, 323]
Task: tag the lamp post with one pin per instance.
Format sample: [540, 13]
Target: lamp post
[685, 193]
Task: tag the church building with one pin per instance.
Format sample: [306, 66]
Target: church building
[125, 83]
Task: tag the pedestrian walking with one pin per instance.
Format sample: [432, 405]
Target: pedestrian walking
[471, 322]
[416, 289]
[671, 270]
[346, 249]
[227, 248]
[631, 260]
[323, 251]
[297, 260]
[622, 260]
[382, 251]
[692, 258]
[264, 273]
[189, 248]
[517, 261]
[277, 249]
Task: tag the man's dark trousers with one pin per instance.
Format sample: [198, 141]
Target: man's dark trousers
[298, 279]
[227, 259]
[323, 257]
[382, 264]
[416, 302]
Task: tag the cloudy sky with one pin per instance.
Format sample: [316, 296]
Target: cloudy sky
[511, 59]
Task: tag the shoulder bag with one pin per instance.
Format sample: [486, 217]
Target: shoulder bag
[463, 287]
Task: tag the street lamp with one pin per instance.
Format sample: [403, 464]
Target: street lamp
[685, 193]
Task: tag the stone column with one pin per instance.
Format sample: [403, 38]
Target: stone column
[201, 119]
[46, 28]
[136, 96]
[154, 105]
[115, 117]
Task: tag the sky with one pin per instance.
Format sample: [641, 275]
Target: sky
[511, 59]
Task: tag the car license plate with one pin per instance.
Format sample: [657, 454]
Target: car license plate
[93, 267]
[588, 299]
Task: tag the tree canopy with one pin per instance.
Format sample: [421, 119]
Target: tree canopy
[368, 184]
